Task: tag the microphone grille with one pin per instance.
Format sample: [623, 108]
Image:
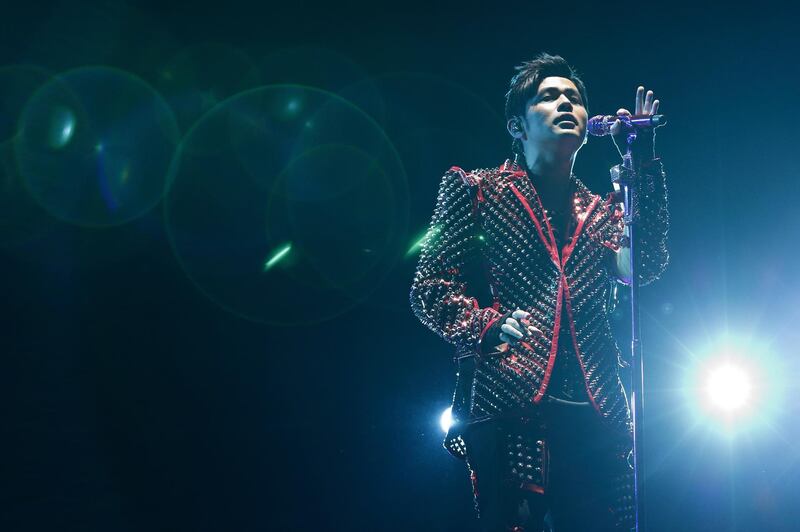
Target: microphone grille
[599, 125]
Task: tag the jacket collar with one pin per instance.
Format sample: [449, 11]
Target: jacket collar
[583, 200]
[512, 170]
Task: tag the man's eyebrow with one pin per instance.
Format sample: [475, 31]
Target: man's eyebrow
[566, 91]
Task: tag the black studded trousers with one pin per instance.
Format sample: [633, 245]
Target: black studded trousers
[555, 468]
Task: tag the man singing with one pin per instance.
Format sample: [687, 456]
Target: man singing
[540, 414]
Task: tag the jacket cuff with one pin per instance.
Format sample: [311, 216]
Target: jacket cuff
[489, 338]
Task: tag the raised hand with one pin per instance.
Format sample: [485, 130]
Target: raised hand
[646, 105]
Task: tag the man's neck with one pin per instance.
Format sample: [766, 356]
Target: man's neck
[551, 178]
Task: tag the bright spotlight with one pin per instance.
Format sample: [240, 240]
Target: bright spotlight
[735, 386]
[728, 387]
[446, 419]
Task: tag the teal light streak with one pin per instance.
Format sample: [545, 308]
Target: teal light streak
[277, 256]
[433, 231]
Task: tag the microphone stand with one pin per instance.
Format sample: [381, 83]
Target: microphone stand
[627, 178]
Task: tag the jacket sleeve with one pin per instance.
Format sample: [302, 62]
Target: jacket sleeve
[439, 292]
[651, 212]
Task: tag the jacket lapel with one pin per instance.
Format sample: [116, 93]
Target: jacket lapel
[584, 204]
[541, 223]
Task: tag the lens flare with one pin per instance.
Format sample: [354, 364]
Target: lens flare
[94, 146]
[250, 177]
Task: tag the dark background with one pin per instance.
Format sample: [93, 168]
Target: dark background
[130, 401]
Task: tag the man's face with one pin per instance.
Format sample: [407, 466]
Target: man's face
[556, 114]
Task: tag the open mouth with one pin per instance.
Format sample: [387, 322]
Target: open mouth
[566, 119]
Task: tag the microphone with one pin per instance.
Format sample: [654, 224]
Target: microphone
[601, 125]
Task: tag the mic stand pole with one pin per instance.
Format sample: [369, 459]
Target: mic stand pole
[626, 177]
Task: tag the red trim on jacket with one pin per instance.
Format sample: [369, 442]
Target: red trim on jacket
[553, 243]
[483, 332]
[550, 248]
[567, 253]
[563, 290]
[577, 349]
[571, 247]
[553, 347]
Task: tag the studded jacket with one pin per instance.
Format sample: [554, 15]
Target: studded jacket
[493, 218]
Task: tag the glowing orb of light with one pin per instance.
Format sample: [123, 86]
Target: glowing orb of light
[446, 419]
[94, 146]
[728, 387]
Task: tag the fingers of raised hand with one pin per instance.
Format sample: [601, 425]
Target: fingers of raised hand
[654, 110]
[646, 104]
[639, 100]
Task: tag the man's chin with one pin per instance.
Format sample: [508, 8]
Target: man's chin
[568, 143]
[569, 137]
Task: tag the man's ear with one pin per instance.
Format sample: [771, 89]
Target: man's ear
[514, 126]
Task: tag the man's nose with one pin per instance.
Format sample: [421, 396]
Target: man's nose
[564, 104]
